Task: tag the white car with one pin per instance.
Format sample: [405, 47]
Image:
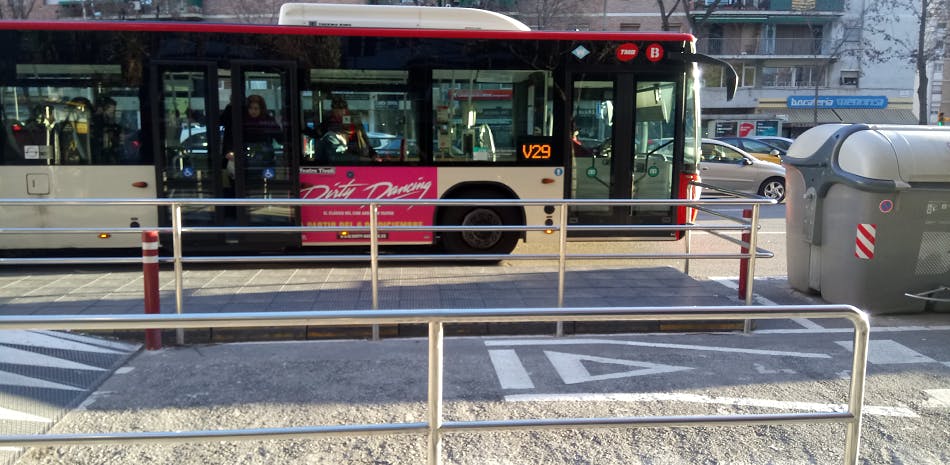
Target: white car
[726, 166]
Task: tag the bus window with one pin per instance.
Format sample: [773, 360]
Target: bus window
[481, 114]
[69, 124]
[359, 116]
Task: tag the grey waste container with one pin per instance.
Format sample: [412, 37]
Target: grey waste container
[868, 215]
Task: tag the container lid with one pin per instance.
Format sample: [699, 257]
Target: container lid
[900, 154]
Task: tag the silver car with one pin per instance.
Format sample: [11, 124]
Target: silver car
[726, 166]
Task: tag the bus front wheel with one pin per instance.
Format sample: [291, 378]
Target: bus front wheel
[482, 241]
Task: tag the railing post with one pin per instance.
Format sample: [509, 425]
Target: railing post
[561, 264]
[176, 252]
[436, 335]
[153, 337]
[859, 365]
[374, 260]
[753, 251]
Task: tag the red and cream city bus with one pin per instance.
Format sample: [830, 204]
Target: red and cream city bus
[334, 103]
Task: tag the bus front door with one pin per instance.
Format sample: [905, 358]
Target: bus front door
[225, 133]
[617, 121]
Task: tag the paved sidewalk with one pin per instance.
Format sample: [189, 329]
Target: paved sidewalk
[207, 289]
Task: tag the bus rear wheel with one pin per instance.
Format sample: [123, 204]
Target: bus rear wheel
[482, 241]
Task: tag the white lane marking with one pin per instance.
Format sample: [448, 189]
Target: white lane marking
[124, 370]
[13, 415]
[561, 342]
[732, 283]
[887, 352]
[509, 369]
[939, 398]
[702, 399]
[874, 330]
[25, 357]
[572, 371]
[49, 340]
[13, 379]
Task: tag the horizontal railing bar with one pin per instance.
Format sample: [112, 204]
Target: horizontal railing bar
[256, 434]
[363, 258]
[645, 422]
[312, 432]
[401, 316]
[364, 229]
[166, 202]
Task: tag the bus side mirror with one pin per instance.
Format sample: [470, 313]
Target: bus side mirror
[732, 78]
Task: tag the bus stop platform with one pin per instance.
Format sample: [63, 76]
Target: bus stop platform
[118, 289]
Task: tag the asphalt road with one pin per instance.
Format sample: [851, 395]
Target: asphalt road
[794, 366]
[270, 385]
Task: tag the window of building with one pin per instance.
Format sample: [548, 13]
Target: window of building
[791, 76]
[849, 77]
[629, 26]
[747, 76]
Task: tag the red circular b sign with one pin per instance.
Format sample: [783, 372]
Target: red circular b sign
[654, 52]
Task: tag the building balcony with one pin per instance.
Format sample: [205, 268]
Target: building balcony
[797, 47]
[797, 6]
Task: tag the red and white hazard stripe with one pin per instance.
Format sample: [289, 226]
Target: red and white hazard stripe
[864, 241]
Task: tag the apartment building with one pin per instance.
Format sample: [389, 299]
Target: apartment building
[800, 63]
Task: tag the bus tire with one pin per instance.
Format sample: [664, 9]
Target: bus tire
[480, 242]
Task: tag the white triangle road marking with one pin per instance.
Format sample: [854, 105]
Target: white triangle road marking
[13, 379]
[13, 415]
[123, 347]
[50, 340]
[572, 370]
[24, 357]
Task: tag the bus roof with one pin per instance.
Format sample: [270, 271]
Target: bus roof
[229, 28]
[395, 17]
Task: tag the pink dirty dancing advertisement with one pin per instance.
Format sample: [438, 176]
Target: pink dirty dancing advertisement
[371, 182]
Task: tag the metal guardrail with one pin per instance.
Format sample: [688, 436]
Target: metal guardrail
[436, 427]
[561, 227]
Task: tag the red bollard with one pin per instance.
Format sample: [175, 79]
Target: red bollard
[153, 337]
[744, 262]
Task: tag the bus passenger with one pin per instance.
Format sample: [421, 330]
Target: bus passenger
[333, 146]
[105, 132]
[260, 132]
[343, 123]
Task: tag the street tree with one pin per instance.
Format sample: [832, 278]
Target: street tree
[257, 11]
[17, 9]
[907, 29]
[551, 14]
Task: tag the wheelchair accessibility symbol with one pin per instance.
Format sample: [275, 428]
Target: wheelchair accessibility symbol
[268, 173]
[188, 172]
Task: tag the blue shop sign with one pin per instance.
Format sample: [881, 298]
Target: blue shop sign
[838, 101]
